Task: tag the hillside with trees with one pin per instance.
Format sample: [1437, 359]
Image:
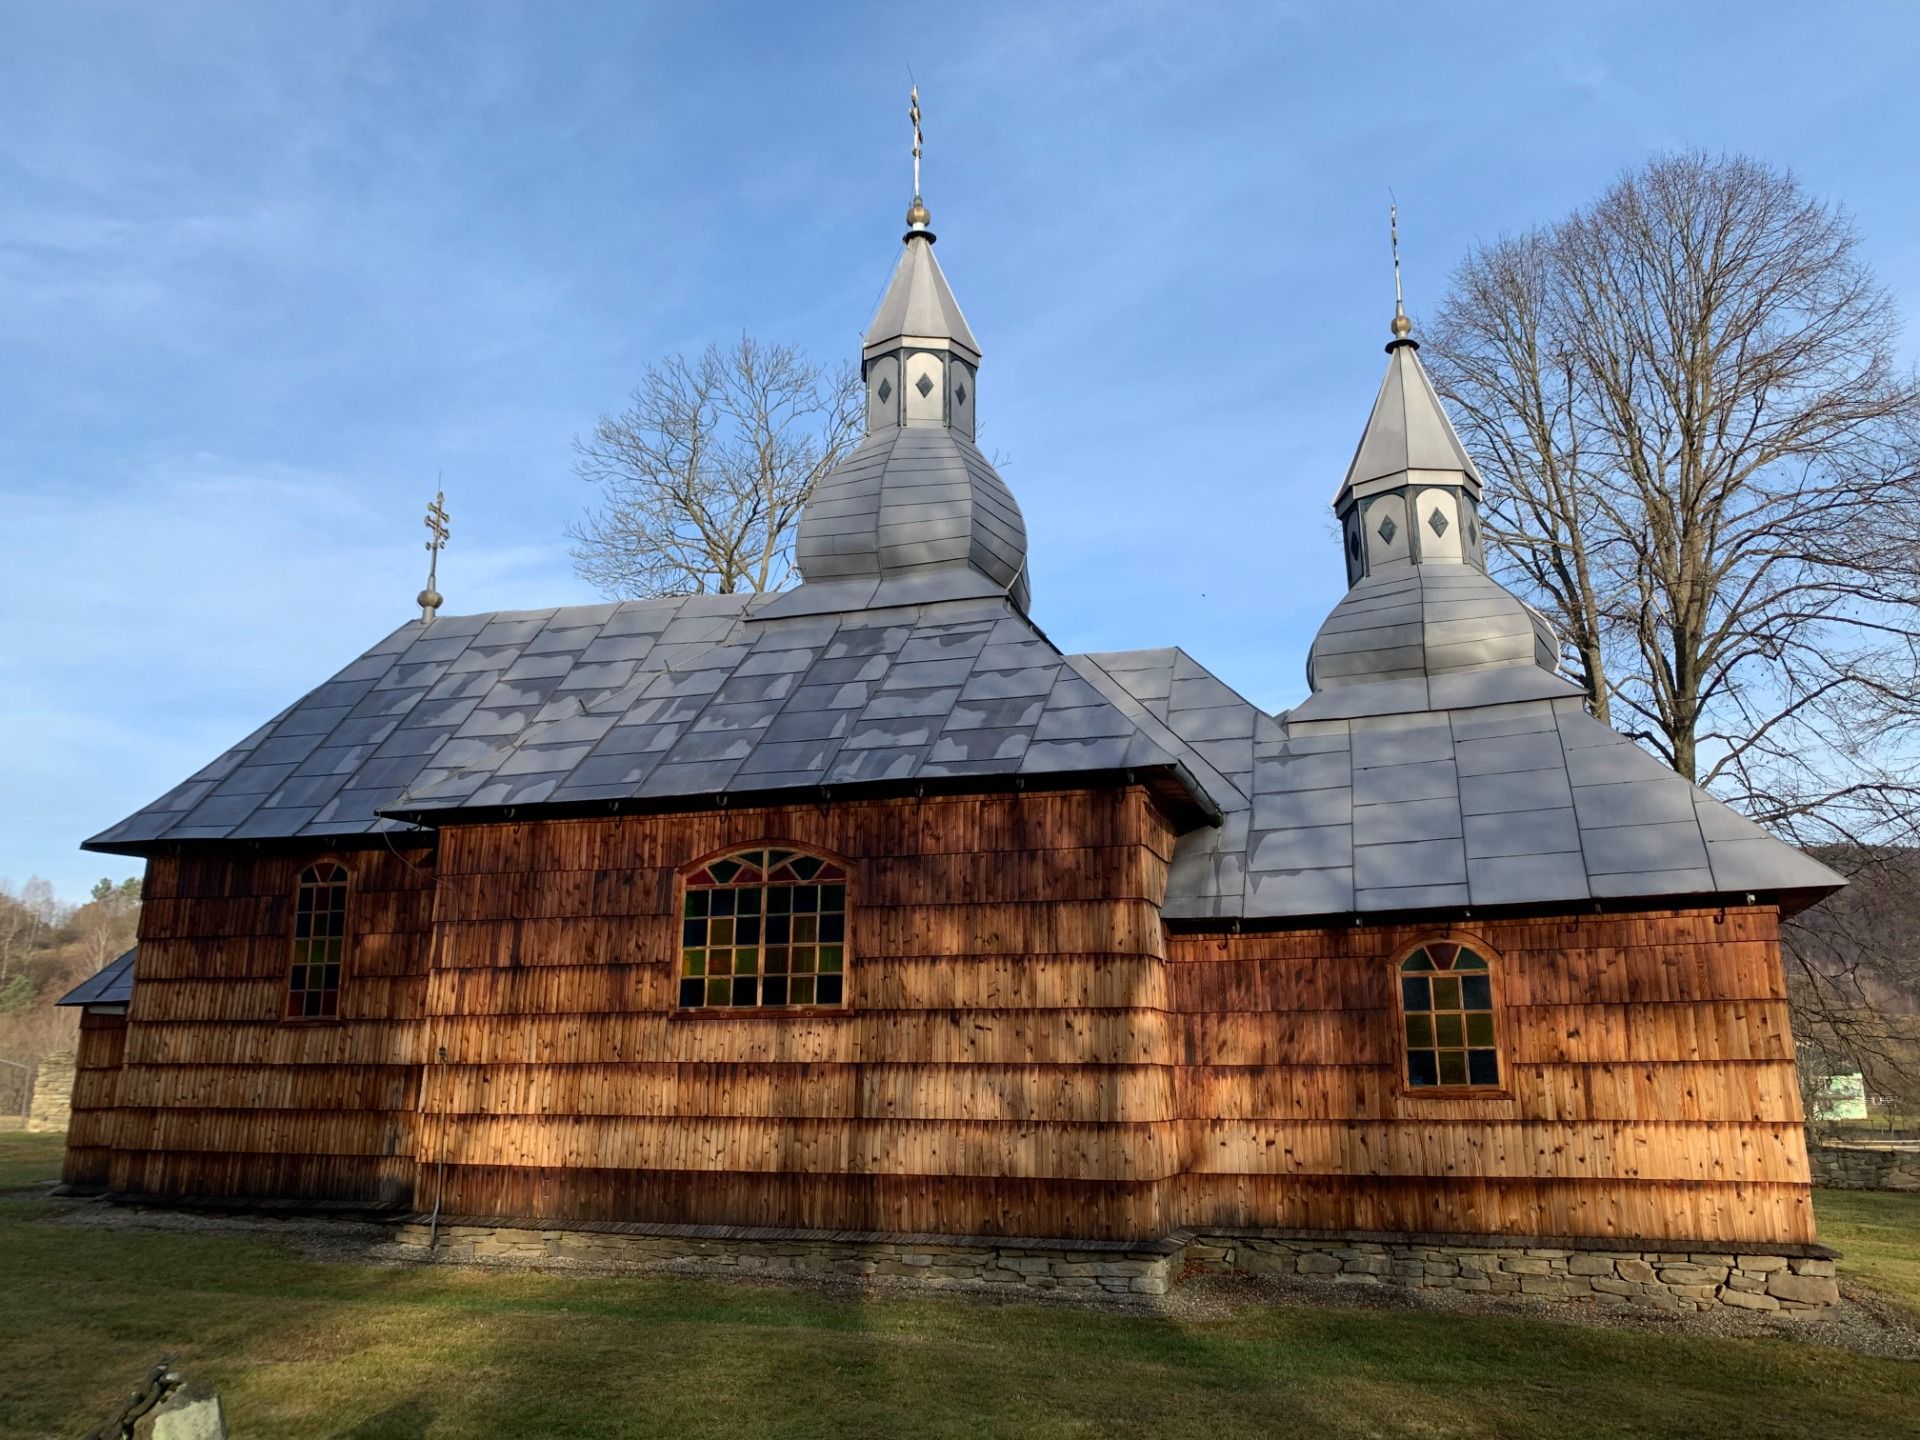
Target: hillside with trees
[46, 948]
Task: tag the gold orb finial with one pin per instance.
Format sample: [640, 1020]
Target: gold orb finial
[1402, 326]
[917, 216]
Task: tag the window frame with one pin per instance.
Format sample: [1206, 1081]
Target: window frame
[1503, 1054]
[683, 877]
[294, 938]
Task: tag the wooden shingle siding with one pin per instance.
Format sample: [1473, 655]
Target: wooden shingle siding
[1647, 1088]
[1002, 1065]
[219, 1095]
[96, 1096]
[1026, 1049]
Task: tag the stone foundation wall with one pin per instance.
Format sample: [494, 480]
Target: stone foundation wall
[1661, 1280]
[1119, 1270]
[1865, 1166]
[52, 1093]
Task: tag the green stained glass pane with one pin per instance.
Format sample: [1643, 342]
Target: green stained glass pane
[1419, 1030]
[802, 990]
[1453, 1067]
[805, 928]
[1446, 992]
[1417, 961]
[694, 962]
[1469, 961]
[745, 962]
[717, 990]
[1447, 1030]
[1480, 1029]
[830, 958]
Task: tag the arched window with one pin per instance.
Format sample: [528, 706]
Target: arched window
[1446, 1009]
[319, 943]
[764, 927]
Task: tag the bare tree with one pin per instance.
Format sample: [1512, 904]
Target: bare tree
[703, 475]
[1701, 460]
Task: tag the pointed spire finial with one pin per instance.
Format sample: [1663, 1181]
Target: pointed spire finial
[1402, 326]
[438, 529]
[917, 217]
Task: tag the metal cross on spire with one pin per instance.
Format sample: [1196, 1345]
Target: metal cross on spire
[437, 523]
[1402, 326]
[917, 217]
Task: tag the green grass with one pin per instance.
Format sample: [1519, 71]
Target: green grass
[299, 1349]
[1877, 1233]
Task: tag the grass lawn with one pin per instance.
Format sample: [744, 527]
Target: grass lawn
[1877, 1233]
[299, 1348]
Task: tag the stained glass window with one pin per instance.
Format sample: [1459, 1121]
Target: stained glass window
[764, 927]
[1446, 1004]
[319, 943]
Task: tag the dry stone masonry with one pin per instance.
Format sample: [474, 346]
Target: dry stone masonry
[1658, 1280]
[1866, 1166]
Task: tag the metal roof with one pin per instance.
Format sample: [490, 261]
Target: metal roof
[112, 984]
[919, 304]
[915, 513]
[1407, 430]
[689, 697]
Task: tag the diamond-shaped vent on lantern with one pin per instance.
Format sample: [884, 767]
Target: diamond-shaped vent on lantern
[1388, 529]
[924, 385]
[885, 392]
[960, 392]
[1438, 521]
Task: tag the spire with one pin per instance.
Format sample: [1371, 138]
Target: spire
[918, 334]
[1420, 605]
[916, 514]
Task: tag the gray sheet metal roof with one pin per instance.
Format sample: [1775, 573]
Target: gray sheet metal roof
[915, 513]
[648, 699]
[1422, 622]
[919, 303]
[112, 984]
[1407, 429]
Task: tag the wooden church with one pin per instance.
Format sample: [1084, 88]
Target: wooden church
[860, 907]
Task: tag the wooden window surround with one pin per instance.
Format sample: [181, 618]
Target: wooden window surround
[1449, 1020]
[763, 927]
[319, 943]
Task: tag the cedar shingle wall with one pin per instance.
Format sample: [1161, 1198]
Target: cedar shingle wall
[1026, 1051]
[96, 1076]
[1648, 1067]
[1002, 1068]
[218, 1095]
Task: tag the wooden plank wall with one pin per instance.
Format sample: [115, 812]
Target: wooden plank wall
[1002, 1068]
[1649, 1077]
[96, 1081]
[221, 1096]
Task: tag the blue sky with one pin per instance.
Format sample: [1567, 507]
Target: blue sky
[265, 270]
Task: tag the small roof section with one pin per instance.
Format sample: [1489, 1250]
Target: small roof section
[1408, 429]
[112, 984]
[919, 304]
